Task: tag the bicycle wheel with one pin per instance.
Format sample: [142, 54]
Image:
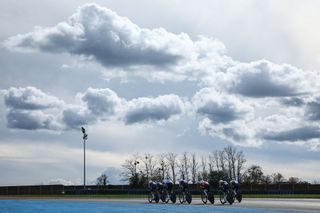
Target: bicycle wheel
[156, 197]
[211, 197]
[222, 197]
[150, 197]
[204, 197]
[163, 197]
[239, 197]
[173, 197]
[188, 197]
[167, 197]
[230, 197]
[182, 198]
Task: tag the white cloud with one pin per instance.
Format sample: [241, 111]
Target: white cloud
[95, 105]
[262, 78]
[231, 110]
[113, 40]
[220, 107]
[29, 98]
[153, 109]
[100, 34]
[102, 101]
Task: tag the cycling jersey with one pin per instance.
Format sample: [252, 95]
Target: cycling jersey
[183, 184]
[204, 185]
[152, 185]
[168, 184]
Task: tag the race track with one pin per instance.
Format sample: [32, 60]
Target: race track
[248, 204]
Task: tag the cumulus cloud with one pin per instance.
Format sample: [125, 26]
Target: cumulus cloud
[112, 40]
[153, 109]
[297, 134]
[76, 116]
[225, 116]
[29, 108]
[102, 35]
[102, 101]
[31, 120]
[219, 107]
[230, 106]
[262, 78]
[29, 98]
[117, 43]
[313, 110]
[238, 132]
[293, 101]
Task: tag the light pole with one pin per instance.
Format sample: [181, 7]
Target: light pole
[84, 137]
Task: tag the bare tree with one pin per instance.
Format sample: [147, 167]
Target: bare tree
[149, 165]
[293, 180]
[211, 162]
[266, 179]
[222, 162]
[216, 160]
[194, 168]
[184, 165]
[240, 165]
[204, 173]
[254, 174]
[132, 172]
[163, 168]
[277, 177]
[172, 163]
[102, 180]
[130, 167]
[230, 156]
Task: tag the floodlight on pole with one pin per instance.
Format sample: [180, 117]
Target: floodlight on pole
[84, 137]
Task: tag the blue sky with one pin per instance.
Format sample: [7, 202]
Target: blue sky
[156, 77]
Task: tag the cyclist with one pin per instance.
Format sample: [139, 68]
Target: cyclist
[184, 195]
[235, 188]
[153, 194]
[234, 185]
[167, 191]
[183, 185]
[223, 185]
[224, 192]
[206, 194]
[168, 185]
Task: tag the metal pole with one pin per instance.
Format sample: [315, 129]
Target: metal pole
[84, 163]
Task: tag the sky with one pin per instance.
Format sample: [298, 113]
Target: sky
[156, 76]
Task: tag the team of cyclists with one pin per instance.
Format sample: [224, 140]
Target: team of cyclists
[228, 192]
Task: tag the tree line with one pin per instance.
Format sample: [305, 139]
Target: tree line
[227, 164]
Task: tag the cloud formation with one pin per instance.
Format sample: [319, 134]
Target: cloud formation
[242, 102]
[263, 78]
[26, 111]
[101, 101]
[313, 109]
[98, 32]
[297, 134]
[29, 98]
[153, 109]
[30, 108]
[219, 107]
[31, 120]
